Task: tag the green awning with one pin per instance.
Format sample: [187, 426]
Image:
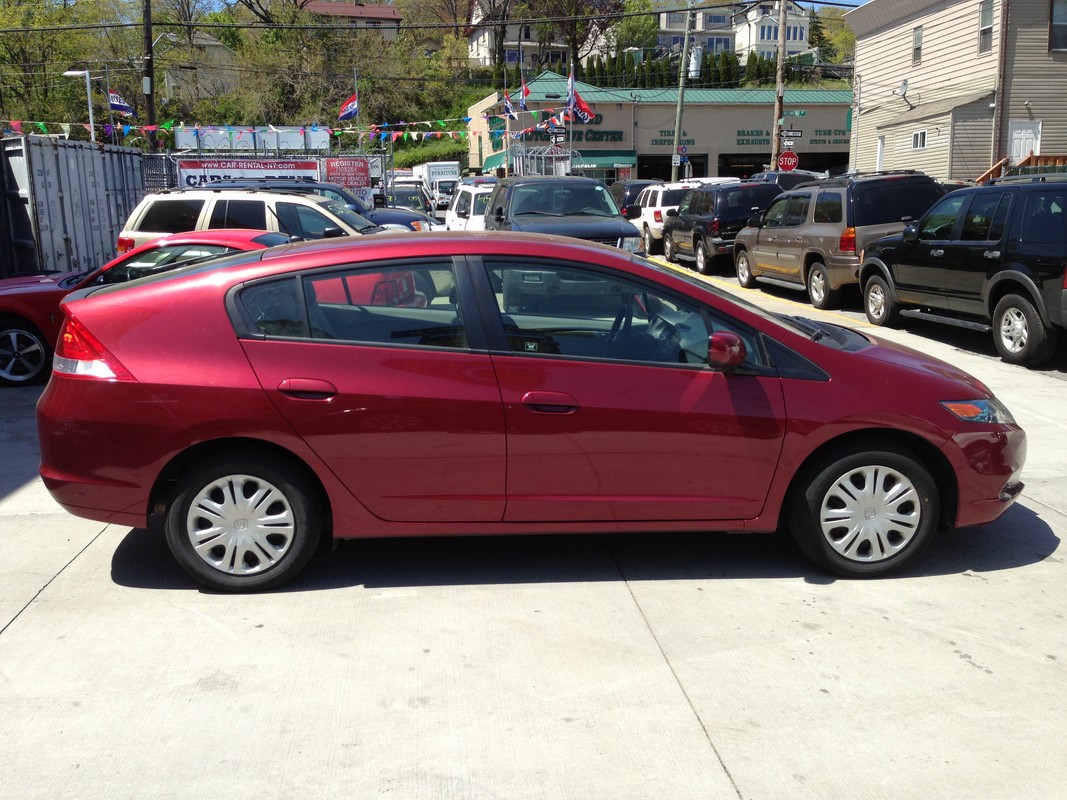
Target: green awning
[492, 162]
[604, 159]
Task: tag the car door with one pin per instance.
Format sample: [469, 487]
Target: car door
[689, 218]
[376, 368]
[612, 412]
[764, 254]
[918, 268]
[791, 247]
[979, 251]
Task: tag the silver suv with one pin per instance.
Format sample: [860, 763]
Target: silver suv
[299, 216]
[810, 237]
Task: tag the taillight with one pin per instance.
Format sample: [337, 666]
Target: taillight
[78, 352]
[716, 227]
[847, 243]
[125, 245]
[657, 215]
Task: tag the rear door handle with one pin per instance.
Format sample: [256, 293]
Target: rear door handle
[937, 253]
[307, 389]
[992, 254]
[550, 402]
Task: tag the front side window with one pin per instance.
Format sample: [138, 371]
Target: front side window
[302, 221]
[941, 221]
[917, 45]
[775, 216]
[1057, 33]
[796, 212]
[409, 305]
[985, 26]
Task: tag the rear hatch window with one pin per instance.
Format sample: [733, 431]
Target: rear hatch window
[883, 201]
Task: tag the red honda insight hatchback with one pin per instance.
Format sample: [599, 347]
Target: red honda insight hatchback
[29, 304]
[465, 383]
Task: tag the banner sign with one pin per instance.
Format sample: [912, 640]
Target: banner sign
[200, 172]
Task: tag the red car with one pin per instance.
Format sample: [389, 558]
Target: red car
[541, 384]
[29, 305]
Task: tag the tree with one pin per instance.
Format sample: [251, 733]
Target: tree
[839, 35]
[635, 31]
[817, 36]
[581, 22]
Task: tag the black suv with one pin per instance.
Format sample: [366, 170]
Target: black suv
[582, 208]
[989, 258]
[707, 220]
[379, 215]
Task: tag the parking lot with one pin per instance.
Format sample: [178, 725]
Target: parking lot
[618, 666]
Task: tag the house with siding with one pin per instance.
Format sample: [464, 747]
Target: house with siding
[953, 87]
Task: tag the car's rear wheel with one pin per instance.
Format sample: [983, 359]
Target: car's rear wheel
[650, 241]
[1020, 336]
[25, 357]
[879, 304]
[669, 251]
[864, 513]
[703, 262]
[243, 524]
[744, 269]
[819, 291]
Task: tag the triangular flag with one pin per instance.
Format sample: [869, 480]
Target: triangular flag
[42, 126]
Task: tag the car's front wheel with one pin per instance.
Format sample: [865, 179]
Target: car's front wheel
[864, 513]
[744, 269]
[669, 251]
[819, 291]
[1020, 335]
[879, 304]
[25, 357]
[243, 524]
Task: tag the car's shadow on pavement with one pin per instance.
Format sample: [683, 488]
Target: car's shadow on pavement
[1019, 538]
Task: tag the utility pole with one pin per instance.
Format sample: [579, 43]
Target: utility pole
[146, 82]
[683, 68]
[779, 79]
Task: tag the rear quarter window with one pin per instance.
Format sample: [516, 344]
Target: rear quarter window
[1045, 218]
[176, 215]
[884, 201]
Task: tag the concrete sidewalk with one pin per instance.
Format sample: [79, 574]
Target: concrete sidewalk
[678, 666]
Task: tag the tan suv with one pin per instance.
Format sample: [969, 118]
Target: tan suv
[301, 216]
[810, 237]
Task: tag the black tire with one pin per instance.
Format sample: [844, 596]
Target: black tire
[25, 357]
[894, 511]
[669, 251]
[703, 260]
[743, 266]
[1019, 334]
[879, 304]
[819, 292]
[232, 561]
[651, 244]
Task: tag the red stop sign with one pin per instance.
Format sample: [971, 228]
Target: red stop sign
[787, 160]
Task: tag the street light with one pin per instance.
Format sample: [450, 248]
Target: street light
[78, 73]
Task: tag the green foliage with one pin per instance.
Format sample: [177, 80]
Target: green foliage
[405, 156]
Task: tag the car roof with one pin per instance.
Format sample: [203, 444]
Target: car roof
[269, 194]
[551, 179]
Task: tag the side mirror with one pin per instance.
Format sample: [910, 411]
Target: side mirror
[911, 234]
[725, 350]
[333, 233]
[631, 212]
[755, 222]
[672, 212]
[498, 215]
[379, 201]
[463, 213]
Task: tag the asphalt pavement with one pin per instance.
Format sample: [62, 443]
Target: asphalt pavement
[661, 666]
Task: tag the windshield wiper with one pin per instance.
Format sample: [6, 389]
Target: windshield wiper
[540, 212]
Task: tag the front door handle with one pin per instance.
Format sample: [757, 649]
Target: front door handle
[992, 254]
[550, 402]
[937, 253]
[307, 389]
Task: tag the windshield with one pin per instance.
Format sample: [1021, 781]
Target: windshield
[350, 217]
[446, 186]
[564, 199]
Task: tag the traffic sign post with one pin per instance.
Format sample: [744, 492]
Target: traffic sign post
[788, 161]
[792, 134]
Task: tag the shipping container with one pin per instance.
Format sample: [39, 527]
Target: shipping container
[64, 202]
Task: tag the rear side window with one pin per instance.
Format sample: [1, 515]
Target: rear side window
[741, 201]
[1045, 218]
[828, 208]
[172, 216]
[985, 219]
[238, 214]
[883, 201]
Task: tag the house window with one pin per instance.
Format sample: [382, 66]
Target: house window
[676, 19]
[768, 33]
[511, 56]
[717, 44]
[526, 32]
[985, 26]
[918, 140]
[1057, 33]
[917, 45]
[714, 20]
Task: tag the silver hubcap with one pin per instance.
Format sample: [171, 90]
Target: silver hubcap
[1013, 330]
[742, 268]
[240, 525]
[870, 513]
[702, 257]
[876, 302]
[22, 355]
[818, 286]
[648, 239]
